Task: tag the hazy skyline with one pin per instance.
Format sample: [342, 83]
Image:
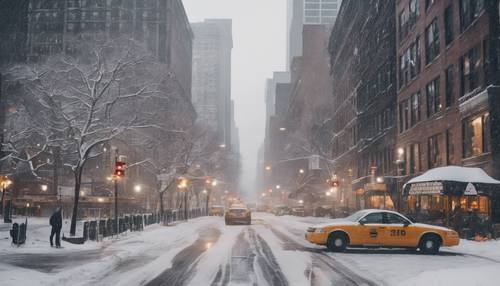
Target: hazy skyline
[259, 48]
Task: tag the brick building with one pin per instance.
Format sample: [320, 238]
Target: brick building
[447, 85]
[362, 51]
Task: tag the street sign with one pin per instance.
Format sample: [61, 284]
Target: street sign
[470, 190]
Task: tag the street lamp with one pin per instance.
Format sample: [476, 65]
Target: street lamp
[44, 188]
[268, 168]
[214, 183]
[278, 187]
[4, 184]
[137, 188]
[282, 129]
[301, 171]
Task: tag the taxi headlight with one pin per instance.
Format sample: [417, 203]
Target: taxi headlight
[319, 230]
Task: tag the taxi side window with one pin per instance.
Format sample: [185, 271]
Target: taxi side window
[373, 218]
[395, 219]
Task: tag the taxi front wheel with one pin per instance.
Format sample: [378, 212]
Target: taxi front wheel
[337, 242]
[429, 244]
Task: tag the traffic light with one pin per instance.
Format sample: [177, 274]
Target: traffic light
[334, 183]
[120, 169]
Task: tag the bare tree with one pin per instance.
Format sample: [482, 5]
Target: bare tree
[91, 98]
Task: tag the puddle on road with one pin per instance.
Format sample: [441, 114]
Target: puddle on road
[183, 263]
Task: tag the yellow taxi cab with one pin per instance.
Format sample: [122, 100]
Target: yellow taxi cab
[238, 214]
[381, 228]
[216, 211]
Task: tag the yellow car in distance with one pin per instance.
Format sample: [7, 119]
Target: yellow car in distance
[216, 211]
[381, 228]
[238, 214]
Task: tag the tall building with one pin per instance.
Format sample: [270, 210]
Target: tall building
[307, 12]
[33, 29]
[212, 75]
[448, 88]
[363, 61]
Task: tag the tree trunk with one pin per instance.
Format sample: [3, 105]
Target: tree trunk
[161, 203]
[208, 201]
[78, 180]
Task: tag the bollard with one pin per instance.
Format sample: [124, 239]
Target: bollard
[85, 231]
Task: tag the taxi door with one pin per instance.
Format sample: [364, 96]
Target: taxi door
[370, 230]
[399, 232]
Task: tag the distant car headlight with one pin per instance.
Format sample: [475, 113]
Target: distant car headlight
[319, 230]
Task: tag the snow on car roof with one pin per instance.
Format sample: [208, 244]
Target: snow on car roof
[455, 173]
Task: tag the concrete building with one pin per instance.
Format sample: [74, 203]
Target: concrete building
[448, 87]
[212, 75]
[32, 29]
[300, 12]
[363, 62]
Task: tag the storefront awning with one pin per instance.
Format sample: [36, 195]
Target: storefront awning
[452, 180]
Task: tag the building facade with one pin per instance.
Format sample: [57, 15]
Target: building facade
[363, 61]
[212, 76]
[39, 28]
[448, 87]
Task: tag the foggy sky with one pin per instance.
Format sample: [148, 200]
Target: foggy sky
[259, 48]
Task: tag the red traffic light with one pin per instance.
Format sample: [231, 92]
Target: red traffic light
[334, 183]
[120, 169]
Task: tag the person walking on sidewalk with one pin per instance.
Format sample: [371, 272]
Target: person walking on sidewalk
[56, 223]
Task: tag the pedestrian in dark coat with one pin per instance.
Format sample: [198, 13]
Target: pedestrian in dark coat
[56, 223]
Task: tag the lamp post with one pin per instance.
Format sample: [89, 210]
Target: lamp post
[4, 184]
[400, 164]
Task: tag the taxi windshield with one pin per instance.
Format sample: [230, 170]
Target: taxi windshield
[356, 216]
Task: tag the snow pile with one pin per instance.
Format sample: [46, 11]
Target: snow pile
[456, 174]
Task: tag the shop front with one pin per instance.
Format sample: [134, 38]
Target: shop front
[371, 195]
[462, 198]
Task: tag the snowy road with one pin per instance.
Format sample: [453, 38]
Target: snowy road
[272, 251]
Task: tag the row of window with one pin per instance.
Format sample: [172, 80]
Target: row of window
[469, 11]
[472, 76]
[441, 147]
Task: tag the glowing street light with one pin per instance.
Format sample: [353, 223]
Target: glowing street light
[205, 192]
[268, 168]
[137, 188]
[380, 180]
[301, 171]
[282, 129]
[44, 188]
[278, 187]
[401, 151]
[301, 201]
[214, 183]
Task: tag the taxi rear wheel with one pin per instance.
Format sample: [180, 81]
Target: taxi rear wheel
[430, 244]
[336, 242]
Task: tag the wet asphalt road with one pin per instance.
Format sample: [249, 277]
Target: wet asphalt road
[252, 256]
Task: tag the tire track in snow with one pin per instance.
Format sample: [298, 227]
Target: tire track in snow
[184, 263]
[336, 272]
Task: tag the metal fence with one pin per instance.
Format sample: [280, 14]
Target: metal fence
[97, 229]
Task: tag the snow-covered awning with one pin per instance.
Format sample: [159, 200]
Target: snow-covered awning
[452, 180]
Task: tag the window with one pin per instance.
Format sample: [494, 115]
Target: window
[448, 25]
[476, 136]
[409, 63]
[404, 115]
[375, 218]
[449, 86]
[434, 151]
[469, 11]
[403, 24]
[428, 3]
[415, 108]
[433, 98]
[414, 157]
[432, 41]
[470, 69]
[395, 219]
[450, 148]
